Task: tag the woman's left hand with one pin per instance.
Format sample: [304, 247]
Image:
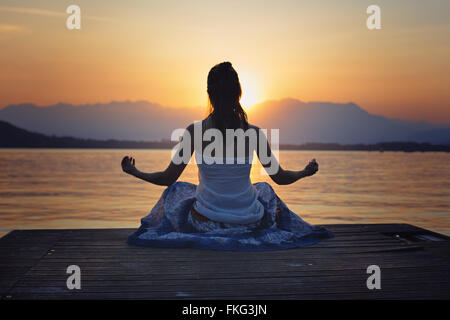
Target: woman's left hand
[128, 165]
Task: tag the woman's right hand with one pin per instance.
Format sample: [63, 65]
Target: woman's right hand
[311, 168]
[128, 165]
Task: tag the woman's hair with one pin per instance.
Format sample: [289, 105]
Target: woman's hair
[224, 91]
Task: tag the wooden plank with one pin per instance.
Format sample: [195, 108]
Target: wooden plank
[319, 280]
[20, 252]
[420, 288]
[34, 266]
[400, 271]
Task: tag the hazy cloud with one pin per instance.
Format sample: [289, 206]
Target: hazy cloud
[11, 28]
[8, 31]
[44, 12]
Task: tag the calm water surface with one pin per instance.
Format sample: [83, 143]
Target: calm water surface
[87, 188]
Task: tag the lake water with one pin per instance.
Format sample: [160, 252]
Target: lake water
[87, 189]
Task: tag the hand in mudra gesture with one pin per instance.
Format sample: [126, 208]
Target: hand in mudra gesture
[128, 165]
[311, 168]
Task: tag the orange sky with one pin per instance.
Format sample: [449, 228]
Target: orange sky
[161, 51]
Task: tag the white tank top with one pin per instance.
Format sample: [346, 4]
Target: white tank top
[226, 194]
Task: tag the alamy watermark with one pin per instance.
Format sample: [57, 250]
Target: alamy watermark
[223, 149]
[373, 22]
[374, 280]
[74, 280]
[74, 20]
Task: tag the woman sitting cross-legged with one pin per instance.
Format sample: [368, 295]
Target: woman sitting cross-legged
[225, 211]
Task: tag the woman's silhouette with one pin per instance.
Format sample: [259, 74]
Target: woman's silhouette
[225, 210]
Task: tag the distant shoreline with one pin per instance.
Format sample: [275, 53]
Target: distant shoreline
[381, 147]
[13, 137]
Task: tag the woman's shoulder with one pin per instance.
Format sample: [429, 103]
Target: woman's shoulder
[253, 127]
[203, 124]
[207, 124]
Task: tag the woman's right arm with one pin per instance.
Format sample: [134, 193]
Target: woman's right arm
[161, 178]
[172, 172]
[273, 167]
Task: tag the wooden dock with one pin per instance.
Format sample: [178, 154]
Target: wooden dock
[414, 263]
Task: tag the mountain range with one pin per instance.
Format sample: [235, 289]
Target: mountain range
[299, 122]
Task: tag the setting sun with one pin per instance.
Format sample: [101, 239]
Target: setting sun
[250, 91]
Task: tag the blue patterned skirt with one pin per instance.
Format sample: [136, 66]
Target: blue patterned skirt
[172, 224]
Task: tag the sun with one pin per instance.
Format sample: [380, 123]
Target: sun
[250, 91]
